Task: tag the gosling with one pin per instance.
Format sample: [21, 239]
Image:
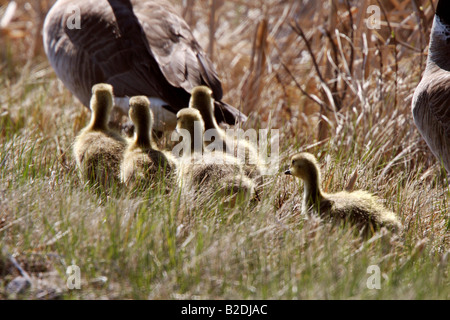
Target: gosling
[359, 208]
[97, 149]
[202, 100]
[142, 160]
[222, 173]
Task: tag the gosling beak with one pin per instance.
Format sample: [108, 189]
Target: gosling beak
[288, 173]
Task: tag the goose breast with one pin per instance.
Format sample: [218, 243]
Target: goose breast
[431, 112]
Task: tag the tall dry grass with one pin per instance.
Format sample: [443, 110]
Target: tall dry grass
[312, 69]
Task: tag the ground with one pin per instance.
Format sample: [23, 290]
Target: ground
[350, 105]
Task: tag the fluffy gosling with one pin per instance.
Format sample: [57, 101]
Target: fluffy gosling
[222, 173]
[97, 149]
[360, 208]
[202, 100]
[142, 160]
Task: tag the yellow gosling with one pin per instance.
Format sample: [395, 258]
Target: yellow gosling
[142, 160]
[220, 173]
[202, 100]
[359, 208]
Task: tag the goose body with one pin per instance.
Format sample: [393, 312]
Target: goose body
[140, 47]
[359, 208]
[97, 149]
[431, 101]
[200, 169]
[142, 160]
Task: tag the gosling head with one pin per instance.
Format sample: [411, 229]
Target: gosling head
[304, 166]
[188, 119]
[142, 117]
[101, 104]
[202, 100]
[140, 112]
[191, 120]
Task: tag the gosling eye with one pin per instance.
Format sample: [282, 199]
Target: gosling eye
[293, 162]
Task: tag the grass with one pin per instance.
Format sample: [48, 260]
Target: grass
[171, 245]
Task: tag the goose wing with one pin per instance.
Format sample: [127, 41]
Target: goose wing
[174, 47]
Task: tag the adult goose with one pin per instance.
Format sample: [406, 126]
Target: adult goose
[431, 101]
[203, 101]
[140, 47]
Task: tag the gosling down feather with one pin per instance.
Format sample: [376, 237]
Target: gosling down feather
[202, 100]
[97, 149]
[200, 169]
[431, 101]
[140, 47]
[359, 208]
